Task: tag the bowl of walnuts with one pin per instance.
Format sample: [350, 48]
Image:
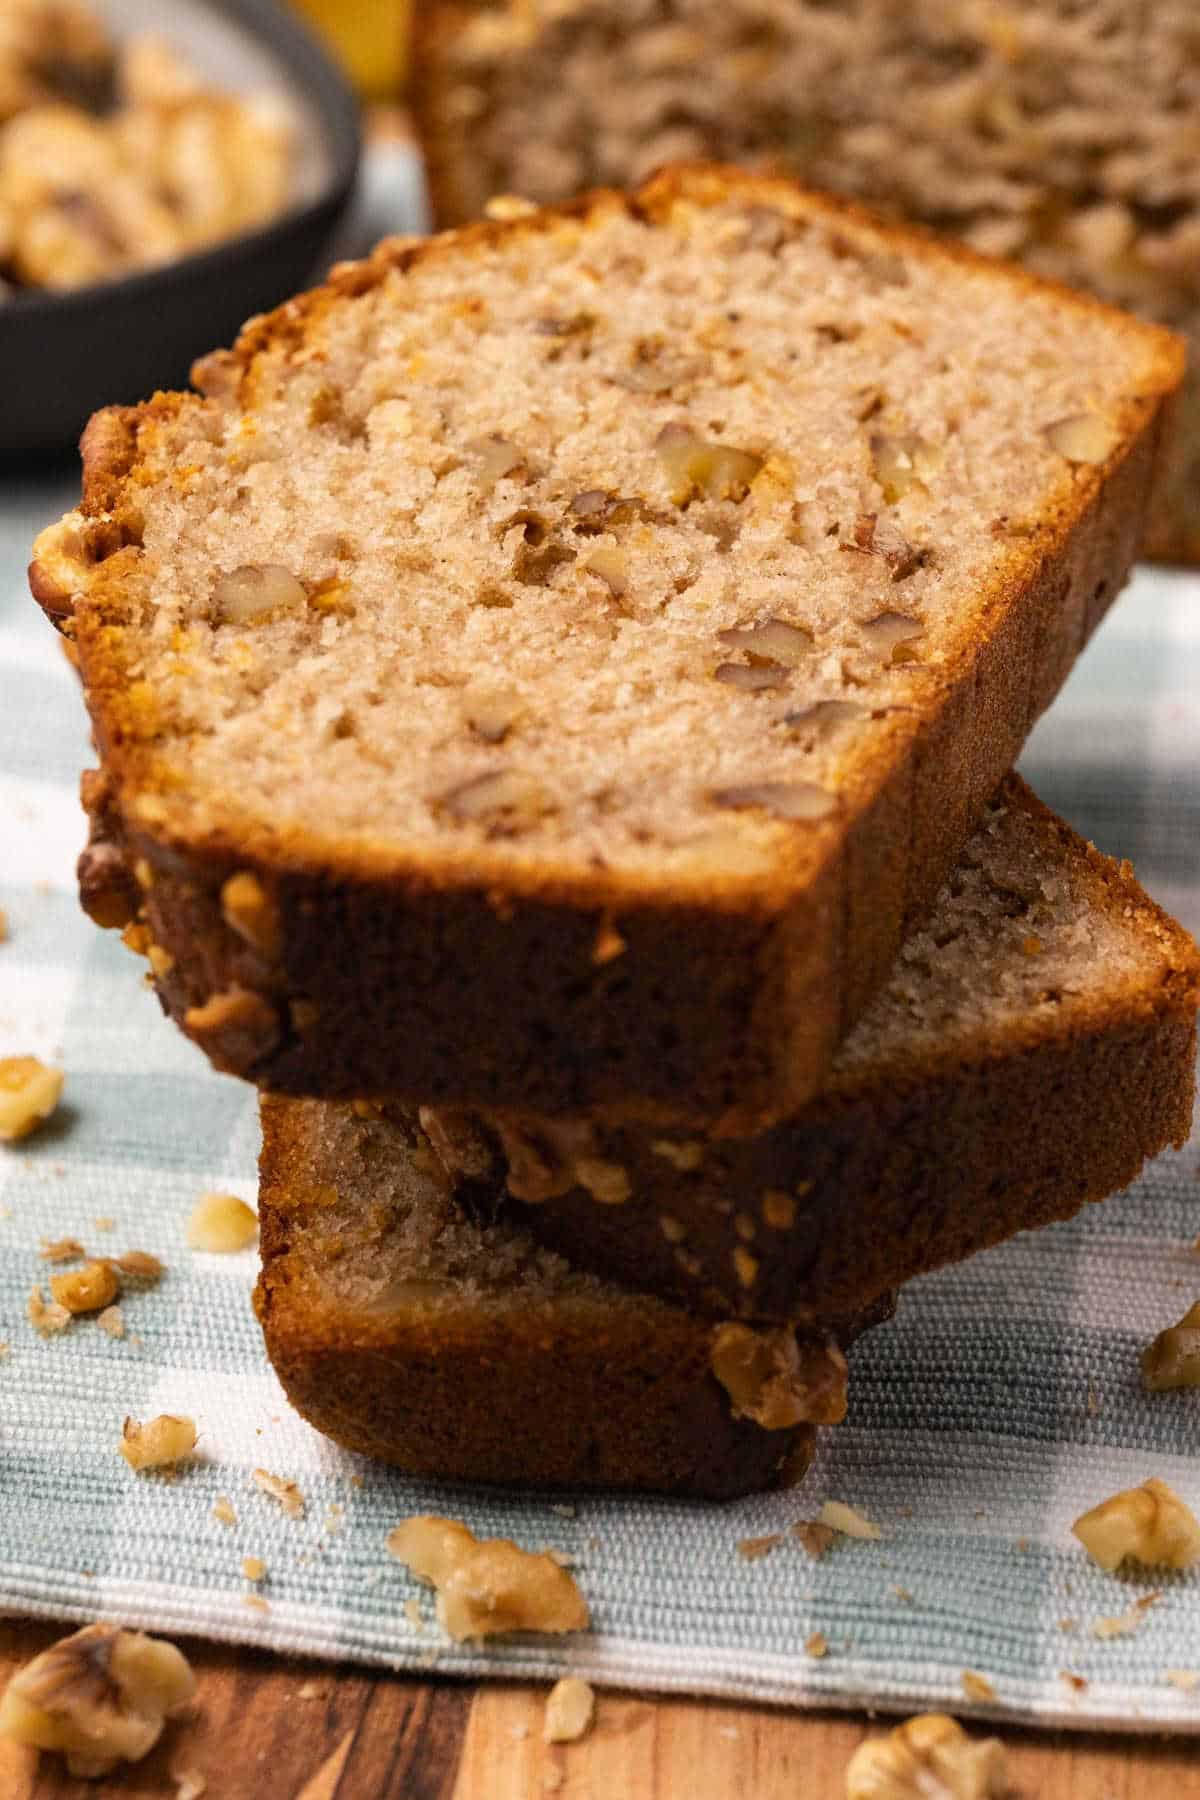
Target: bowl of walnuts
[155, 191]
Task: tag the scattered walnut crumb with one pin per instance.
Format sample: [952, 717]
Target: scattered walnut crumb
[1068, 1625]
[223, 1511]
[414, 1615]
[1149, 1524]
[487, 1586]
[927, 1756]
[3, 926]
[1126, 1623]
[570, 1709]
[101, 1696]
[902, 1593]
[976, 1686]
[256, 1603]
[139, 1267]
[112, 1321]
[814, 1538]
[159, 1443]
[46, 1317]
[66, 1249]
[5, 1347]
[1173, 1359]
[103, 1223]
[1187, 1679]
[29, 1093]
[816, 1644]
[840, 1517]
[221, 1222]
[280, 1488]
[254, 1568]
[752, 1548]
[86, 1290]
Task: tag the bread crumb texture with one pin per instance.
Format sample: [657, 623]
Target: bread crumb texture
[637, 535]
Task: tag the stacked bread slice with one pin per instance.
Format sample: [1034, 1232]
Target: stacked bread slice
[541, 680]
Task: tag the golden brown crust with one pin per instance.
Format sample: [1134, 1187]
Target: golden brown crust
[449, 978]
[590, 1389]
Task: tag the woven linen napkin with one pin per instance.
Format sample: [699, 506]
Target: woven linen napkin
[1002, 1401]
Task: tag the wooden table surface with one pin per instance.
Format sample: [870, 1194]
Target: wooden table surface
[270, 1728]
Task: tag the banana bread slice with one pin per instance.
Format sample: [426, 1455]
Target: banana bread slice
[1057, 132]
[555, 658]
[404, 1328]
[1036, 1043]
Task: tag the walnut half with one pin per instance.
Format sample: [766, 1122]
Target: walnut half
[1149, 1524]
[101, 1696]
[487, 1586]
[927, 1758]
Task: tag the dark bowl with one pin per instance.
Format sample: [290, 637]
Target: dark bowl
[62, 355]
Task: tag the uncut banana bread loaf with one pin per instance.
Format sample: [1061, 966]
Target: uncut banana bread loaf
[548, 665]
[406, 1329]
[1035, 1044]
[1059, 132]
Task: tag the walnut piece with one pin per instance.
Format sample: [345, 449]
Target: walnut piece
[845, 1519]
[791, 800]
[505, 798]
[66, 1249]
[139, 1267]
[774, 639]
[1173, 1359]
[29, 1093]
[814, 1538]
[927, 1758]
[158, 1444]
[489, 1586]
[280, 1488]
[696, 467]
[46, 1318]
[1149, 1524]
[570, 1709]
[221, 1222]
[248, 909]
[1082, 438]
[253, 591]
[101, 1696]
[775, 1381]
[234, 1028]
[903, 464]
[86, 1290]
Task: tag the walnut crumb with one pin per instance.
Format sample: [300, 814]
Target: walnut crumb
[66, 1249]
[487, 1586]
[1078, 1683]
[1173, 1359]
[29, 1093]
[222, 1511]
[254, 1568]
[844, 1519]
[976, 1686]
[414, 1615]
[86, 1290]
[100, 1696]
[46, 1317]
[280, 1488]
[928, 1755]
[752, 1548]
[221, 1222]
[1126, 1623]
[158, 1444]
[256, 1603]
[1186, 1679]
[570, 1709]
[139, 1267]
[815, 1538]
[112, 1321]
[816, 1644]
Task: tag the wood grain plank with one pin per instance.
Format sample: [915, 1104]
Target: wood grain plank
[275, 1728]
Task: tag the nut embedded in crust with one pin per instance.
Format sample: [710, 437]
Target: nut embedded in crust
[485, 1587]
[775, 1381]
[235, 1029]
[248, 909]
[928, 1755]
[101, 1696]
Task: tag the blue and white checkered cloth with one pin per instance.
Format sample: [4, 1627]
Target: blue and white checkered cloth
[1003, 1401]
